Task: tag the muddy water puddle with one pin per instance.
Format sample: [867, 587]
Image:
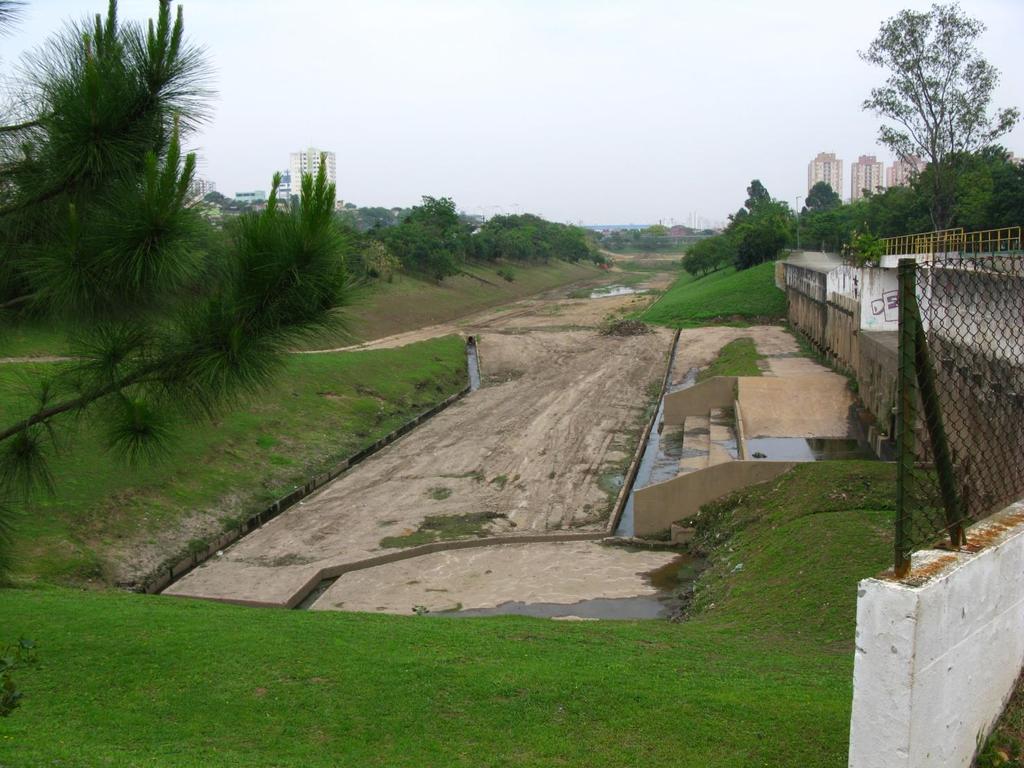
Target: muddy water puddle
[807, 449]
[615, 290]
[473, 363]
[671, 580]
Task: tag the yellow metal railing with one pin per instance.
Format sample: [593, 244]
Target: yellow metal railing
[992, 240]
[946, 240]
[924, 242]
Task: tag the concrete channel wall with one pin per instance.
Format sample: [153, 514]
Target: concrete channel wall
[938, 653]
[657, 506]
[833, 322]
[716, 392]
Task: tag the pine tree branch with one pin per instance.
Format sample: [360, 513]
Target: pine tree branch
[46, 414]
[20, 126]
[17, 301]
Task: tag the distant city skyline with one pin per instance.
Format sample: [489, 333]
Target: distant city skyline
[596, 112]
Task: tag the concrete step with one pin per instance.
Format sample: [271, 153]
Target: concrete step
[722, 436]
[696, 443]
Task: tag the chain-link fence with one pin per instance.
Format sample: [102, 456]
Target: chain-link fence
[960, 423]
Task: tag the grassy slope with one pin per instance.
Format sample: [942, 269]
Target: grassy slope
[385, 308]
[323, 408]
[409, 302]
[725, 295]
[761, 677]
[737, 358]
[30, 340]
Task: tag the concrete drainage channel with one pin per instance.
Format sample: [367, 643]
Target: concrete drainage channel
[545, 551]
[666, 578]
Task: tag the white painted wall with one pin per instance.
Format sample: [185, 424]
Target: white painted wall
[845, 280]
[879, 299]
[935, 663]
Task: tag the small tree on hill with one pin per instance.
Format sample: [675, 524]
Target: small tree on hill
[937, 95]
[822, 197]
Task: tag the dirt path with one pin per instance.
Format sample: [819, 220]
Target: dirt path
[560, 407]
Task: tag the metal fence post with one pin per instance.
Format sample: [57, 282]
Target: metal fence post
[937, 436]
[906, 411]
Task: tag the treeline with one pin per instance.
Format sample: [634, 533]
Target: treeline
[988, 193]
[654, 239]
[756, 233]
[434, 240]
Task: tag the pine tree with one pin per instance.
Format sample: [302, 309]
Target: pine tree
[165, 314]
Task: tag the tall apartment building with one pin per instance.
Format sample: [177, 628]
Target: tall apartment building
[866, 173]
[828, 168]
[901, 171]
[308, 161]
[199, 188]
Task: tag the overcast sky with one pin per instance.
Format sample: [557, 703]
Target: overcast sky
[600, 112]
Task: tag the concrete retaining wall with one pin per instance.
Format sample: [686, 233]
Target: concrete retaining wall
[937, 654]
[657, 506]
[700, 399]
[836, 328]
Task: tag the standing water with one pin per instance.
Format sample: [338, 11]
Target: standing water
[660, 458]
[473, 361]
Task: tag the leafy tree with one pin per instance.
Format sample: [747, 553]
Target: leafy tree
[937, 95]
[760, 229]
[430, 240]
[169, 315]
[762, 237]
[756, 195]
[377, 261]
[709, 255]
[822, 197]
[531, 238]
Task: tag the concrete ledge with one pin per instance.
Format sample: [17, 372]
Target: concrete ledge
[700, 399]
[938, 652]
[657, 506]
[334, 571]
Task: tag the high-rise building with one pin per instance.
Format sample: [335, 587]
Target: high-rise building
[308, 161]
[828, 168]
[199, 188]
[900, 172]
[866, 174]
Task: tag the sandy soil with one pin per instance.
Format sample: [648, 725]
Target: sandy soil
[558, 409]
[483, 578]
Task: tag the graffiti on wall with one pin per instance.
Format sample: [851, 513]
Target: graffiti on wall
[888, 306]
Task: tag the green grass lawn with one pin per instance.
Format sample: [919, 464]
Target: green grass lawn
[321, 409]
[27, 339]
[737, 358]
[761, 676]
[725, 296]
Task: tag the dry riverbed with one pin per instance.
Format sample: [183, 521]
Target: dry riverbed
[530, 452]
